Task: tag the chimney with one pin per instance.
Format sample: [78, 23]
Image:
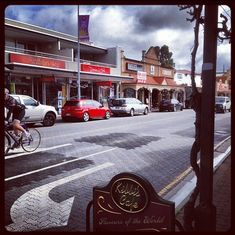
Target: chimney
[143, 54]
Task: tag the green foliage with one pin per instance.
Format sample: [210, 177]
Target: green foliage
[164, 56]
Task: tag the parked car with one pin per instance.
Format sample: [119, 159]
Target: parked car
[170, 105]
[36, 112]
[222, 104]
[129, 106]
[84, 109]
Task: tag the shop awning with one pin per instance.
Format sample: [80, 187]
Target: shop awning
[17, 69]
[104, 77]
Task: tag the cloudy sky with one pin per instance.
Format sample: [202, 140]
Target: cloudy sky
[133, 28]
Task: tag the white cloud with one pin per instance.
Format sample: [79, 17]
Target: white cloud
[133, 28]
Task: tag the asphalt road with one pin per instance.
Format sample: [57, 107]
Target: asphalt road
[49, 189]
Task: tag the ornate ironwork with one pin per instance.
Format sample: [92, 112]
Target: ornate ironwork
[224, 33]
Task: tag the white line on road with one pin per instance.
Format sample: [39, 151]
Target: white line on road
[35, 210]
[38, 150]
[56, 165]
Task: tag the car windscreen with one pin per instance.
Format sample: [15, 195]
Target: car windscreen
[165, 101]
[72, 103]
[219, 100]
[118, 102]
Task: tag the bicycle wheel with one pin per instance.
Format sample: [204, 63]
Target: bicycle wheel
[7, 143]
[32, 143]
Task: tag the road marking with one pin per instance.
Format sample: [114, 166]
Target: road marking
[175, 181]
[184, 192]
[59, 164]
[187, 171]
[36, 151]
[35, 210]
[219, 144]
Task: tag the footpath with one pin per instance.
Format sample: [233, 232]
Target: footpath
[221, 189]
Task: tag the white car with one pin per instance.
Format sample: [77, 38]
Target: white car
[36, 112]
[129, 106]
[222, 104]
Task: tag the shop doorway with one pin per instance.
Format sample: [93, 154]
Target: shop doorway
[156, 97]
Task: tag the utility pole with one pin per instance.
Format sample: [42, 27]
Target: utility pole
[78, 49]
[205, 216]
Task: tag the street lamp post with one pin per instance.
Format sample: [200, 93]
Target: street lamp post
[78, 49]
[205, 213]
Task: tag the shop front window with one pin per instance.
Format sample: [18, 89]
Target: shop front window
[129, 92]
[52, 93]
[86, 90]
[23, 85]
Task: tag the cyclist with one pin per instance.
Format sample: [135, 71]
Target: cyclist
[18, 111]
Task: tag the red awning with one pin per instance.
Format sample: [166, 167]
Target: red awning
[104, 83]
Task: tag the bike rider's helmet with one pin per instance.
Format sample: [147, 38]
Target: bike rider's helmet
[6, 91]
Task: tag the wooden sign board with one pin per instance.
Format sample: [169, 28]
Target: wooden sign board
[130, 203]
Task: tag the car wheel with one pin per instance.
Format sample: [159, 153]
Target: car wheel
[146, 111]
[132, 112]
[107, 115]
[30, 124]
[85, 117]
[224, 110]
[49, 119]
[64, 119]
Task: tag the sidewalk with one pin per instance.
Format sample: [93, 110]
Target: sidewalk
[221, 188]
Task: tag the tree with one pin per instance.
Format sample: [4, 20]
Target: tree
[194, 218]
[164, 56]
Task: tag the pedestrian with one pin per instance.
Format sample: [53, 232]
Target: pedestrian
[18, 112]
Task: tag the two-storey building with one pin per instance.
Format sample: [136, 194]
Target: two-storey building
[223, 84]
[151, 82]
[183, 77]
[43, 63]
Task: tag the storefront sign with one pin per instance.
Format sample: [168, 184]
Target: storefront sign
[47, 79]
[104, 83]
[95, 69]
[129, 203]
[166, 72]
[134, 67]
[141, 77]
[35, 60]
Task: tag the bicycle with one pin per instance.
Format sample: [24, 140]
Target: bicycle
[29, 144]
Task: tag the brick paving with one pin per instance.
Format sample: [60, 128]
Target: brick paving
[221, 196]
[128, 159]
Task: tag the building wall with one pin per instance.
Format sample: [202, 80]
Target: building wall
[185, 78]
[43, 82]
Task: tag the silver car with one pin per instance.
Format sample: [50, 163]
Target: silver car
[128, 106]
[36, 112]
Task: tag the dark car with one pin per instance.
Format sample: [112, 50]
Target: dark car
[84, 109]
[128, 106]
[170, 105]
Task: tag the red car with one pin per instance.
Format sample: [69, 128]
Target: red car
[84, 109]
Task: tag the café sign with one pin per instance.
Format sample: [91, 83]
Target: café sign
[141, 77]
[36, 60]
[130, 203]
[134, 67]
[129, 195]
[95, 69]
